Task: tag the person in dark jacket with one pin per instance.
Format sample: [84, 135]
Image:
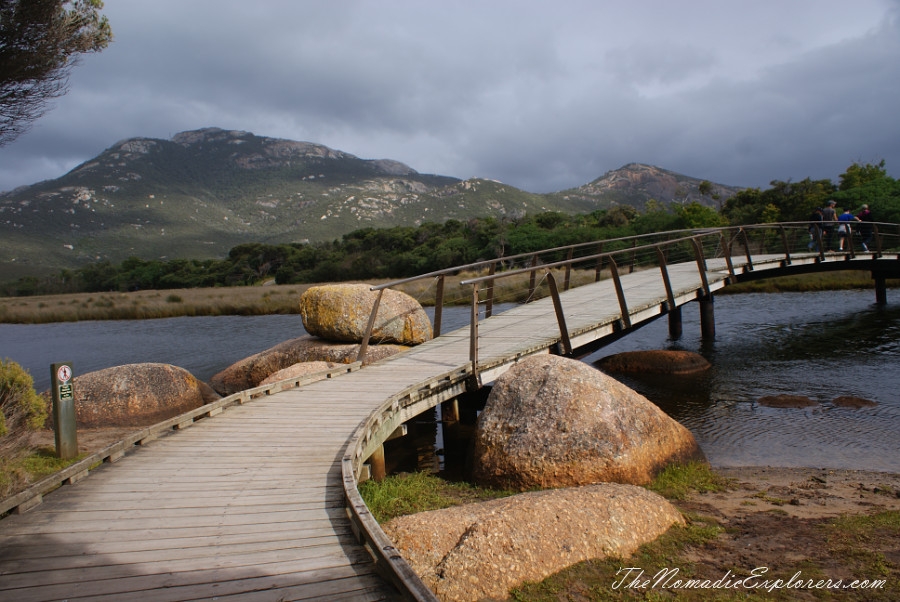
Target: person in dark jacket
[814, 230]
[829, 216]
[865, 227]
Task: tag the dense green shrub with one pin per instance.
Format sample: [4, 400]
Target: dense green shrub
[21, 409]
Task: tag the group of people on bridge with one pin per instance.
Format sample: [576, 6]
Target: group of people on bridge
[825, 220]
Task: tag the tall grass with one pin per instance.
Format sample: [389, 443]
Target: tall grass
[283, 299]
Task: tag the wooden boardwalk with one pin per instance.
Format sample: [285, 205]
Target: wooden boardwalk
[249, 505]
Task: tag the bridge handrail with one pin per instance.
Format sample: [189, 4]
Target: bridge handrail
[725, 239]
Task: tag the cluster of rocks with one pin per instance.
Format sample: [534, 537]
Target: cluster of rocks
[335, 316]
[582, 438]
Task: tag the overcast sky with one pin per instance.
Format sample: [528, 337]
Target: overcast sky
[537, 94]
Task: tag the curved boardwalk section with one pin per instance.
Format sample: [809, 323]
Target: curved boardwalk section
[248, 505]
[252, 504]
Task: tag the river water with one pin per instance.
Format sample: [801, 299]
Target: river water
[822, 345]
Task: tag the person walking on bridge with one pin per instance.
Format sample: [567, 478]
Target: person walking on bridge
[829, 216]
[844, 231]
[815, 236]
[865, 227]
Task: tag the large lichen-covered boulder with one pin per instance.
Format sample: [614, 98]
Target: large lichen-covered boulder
[655, 361]
[137, 395]
[550, 422]
[481, 551]
[340, 312]
[251, 371]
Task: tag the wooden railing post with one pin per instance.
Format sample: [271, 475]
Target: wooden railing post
[620, 292]
[631, 263]
[568, 279]
[743, 234]
[560, 316]
[701, 264]
[663, 268]
[817, 233]
[364, 346]
[489, 302]
[438, 306]
[599, 267]
[726, 249]
[531, 279]
[473, 338]
[784, 243]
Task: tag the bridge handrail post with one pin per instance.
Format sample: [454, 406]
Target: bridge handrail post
[742, 232]
[819, 245]
[560, 316]
[633, 260]
[473, 334]
[364, 346]
[664, 270]
[532, 285]
[599, 267]
[568, 279]
[489, 302]
[438, 306]
[877, 237]
[701, 264]
[726, 250]
[784, 243]
[620, 292]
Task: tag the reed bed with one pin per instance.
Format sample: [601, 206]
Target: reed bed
[283, 299]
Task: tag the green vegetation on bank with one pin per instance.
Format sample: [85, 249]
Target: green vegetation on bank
[369, 253]
[403, 494]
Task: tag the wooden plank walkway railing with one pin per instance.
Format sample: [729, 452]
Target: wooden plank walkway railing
[260, 502]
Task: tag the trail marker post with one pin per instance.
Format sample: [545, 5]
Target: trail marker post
[63, 393]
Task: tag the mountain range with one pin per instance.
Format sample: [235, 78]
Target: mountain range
[205, 191]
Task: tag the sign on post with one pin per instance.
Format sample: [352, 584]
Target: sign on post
[63, 393]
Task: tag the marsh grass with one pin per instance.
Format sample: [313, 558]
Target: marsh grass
[398, 495]
[854, 538]
[142, 305]
[831, 281]
[678, 481]
[243, 300]
[20, 470]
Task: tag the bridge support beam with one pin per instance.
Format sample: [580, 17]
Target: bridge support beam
[880, 289]
[450, 411]
[675, 325]
[376, 461]
[707, 318]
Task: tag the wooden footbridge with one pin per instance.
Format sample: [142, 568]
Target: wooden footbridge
[258, 499]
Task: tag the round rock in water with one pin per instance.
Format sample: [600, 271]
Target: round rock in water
[655, 361]
[137, 395]
[556, 422]
[340, 312]
[787, 401]
[852, 402]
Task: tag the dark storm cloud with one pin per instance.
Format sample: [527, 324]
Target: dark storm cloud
[540, 96]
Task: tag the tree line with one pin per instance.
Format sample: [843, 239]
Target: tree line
[398, 252]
